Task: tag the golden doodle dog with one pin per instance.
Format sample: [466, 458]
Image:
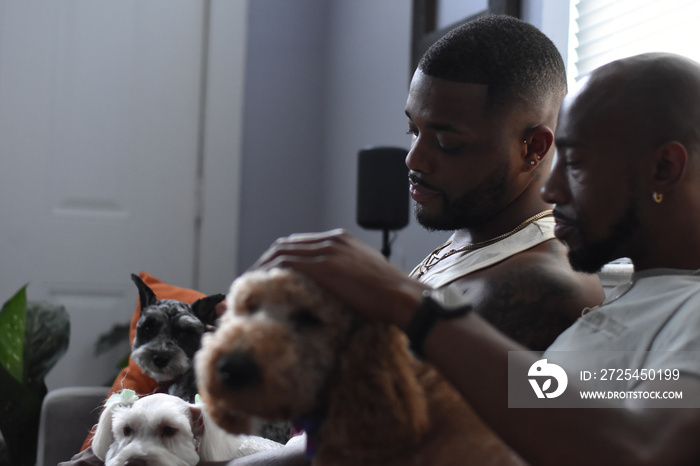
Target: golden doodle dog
[285, 349]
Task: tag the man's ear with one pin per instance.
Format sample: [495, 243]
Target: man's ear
[537, 142]
[670, 162]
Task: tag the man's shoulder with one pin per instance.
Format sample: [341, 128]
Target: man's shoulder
[532, 296]
[547, 262]
[551, 254]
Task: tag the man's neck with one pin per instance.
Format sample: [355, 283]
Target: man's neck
[668, 243]
[499, 225]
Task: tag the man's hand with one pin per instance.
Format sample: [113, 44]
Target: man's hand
[351, 270]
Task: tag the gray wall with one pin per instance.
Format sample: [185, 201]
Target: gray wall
[369, 72]
[325, 78]
[283, 127]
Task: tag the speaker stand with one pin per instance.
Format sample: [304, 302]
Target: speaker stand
[386, 244]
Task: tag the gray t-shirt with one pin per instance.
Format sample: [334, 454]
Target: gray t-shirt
[651, 323]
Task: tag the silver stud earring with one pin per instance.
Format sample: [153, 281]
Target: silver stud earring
[532, 162]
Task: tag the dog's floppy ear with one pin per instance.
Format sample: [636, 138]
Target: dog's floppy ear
[378, 390]
[104, 437]
[205, 308]
[215, 444]
[146, 295]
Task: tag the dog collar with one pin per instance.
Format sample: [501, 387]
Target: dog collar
[310, 425]
[164, 385]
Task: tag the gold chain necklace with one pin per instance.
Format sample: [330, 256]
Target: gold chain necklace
[433, 259]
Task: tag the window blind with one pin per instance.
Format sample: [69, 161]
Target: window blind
[606, 30]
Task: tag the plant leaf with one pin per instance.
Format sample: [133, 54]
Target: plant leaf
[47, 338]
[117, 335]
[13, 321]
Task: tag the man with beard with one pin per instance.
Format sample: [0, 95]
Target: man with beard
[481, 108]
[626, 182]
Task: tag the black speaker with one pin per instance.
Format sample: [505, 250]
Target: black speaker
[382, 188]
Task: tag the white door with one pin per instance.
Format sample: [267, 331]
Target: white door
[100, 111]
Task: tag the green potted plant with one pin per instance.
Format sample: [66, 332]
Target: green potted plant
[33, 337]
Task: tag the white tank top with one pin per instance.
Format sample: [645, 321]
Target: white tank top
[465, 263]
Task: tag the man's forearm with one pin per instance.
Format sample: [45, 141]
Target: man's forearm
[474, 357]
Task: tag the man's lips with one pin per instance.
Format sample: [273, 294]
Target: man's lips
[564, 226]
[420, 191]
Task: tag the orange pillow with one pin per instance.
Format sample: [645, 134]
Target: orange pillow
[131, 376]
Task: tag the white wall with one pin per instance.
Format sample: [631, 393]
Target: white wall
[221, 145]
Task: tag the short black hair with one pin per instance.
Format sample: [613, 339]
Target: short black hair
[515, 59]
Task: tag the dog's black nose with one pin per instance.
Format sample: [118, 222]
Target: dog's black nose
[160, 360]
[238, 370]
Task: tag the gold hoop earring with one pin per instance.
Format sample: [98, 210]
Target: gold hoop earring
[658, 197]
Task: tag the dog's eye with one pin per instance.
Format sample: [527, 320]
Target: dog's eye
[168, 431]
[127, 431]
[148, 328]
[251, 306]
[186, 333]
[304, 319]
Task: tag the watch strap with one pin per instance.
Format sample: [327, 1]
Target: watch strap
[425, 317]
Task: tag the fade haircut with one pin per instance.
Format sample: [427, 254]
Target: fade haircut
[516, 60]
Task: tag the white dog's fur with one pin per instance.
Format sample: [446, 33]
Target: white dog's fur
[164, 430]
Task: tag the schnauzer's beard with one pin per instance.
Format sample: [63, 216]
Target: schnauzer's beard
[473, 209]
[591, 256]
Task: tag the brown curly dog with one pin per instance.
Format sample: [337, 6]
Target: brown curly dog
[285, 349]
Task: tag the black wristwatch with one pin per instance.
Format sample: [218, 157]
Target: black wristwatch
[441, 303]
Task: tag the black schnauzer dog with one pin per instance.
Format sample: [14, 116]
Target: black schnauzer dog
[168, 334]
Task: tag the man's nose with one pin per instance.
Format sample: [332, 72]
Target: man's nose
[418, 158]
[554, 188]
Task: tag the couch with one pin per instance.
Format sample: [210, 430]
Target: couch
[67, 415]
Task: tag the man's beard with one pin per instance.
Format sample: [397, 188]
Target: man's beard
[591, 256]
[472, 209]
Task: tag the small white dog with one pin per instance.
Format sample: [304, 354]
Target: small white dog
[164, 430]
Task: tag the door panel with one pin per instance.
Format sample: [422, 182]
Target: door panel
[99, 124]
